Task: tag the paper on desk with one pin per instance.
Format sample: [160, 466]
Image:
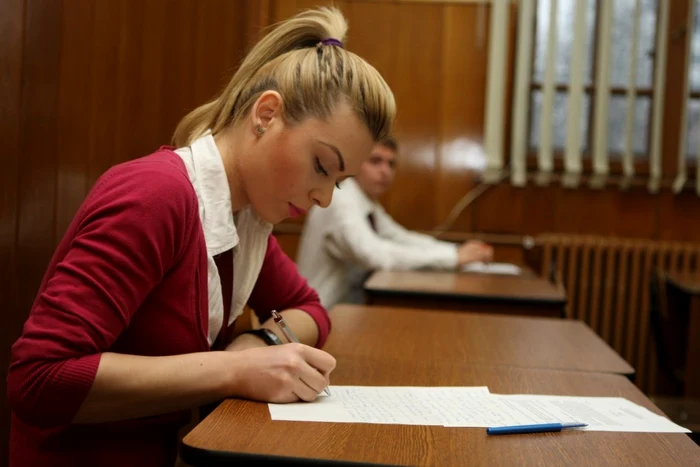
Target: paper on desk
[399, 405]
[600, 413]
[492, 268]
[471, 407]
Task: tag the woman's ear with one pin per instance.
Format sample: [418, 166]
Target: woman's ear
[266, 111]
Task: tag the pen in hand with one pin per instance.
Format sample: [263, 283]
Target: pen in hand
[282, 325]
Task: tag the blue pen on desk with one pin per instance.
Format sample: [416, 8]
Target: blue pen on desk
[282, 324]
[539, 428]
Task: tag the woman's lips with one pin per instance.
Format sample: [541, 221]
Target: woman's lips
[295, 211]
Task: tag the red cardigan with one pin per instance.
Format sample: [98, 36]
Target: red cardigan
[129, 276]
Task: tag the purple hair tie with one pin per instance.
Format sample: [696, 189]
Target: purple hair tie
[331, 41]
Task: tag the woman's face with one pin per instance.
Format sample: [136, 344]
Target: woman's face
[290, 168]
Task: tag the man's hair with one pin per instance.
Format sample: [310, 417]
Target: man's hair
[390, 142]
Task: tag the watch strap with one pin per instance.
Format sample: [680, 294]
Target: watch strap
[266, 335]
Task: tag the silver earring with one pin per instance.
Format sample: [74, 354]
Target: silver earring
[259, 129]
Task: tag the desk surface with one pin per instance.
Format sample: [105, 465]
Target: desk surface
[488, 287]
[240, 431]
[471, 338]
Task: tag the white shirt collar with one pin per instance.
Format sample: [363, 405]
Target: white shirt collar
[209, 179]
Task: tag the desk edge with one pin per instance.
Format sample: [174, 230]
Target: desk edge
[211, 457]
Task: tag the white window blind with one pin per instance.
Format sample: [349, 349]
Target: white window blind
[589, 83]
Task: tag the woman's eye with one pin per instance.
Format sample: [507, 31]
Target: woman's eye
[319, 168]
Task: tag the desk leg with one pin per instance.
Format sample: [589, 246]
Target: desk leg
[692, 371]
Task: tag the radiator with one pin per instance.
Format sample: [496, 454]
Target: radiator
[607, 283]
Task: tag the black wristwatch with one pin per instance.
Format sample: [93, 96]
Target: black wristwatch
[266, 335]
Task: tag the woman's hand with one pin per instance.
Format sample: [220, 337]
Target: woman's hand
[282, 373]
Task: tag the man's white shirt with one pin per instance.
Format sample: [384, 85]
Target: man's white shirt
[340, 239]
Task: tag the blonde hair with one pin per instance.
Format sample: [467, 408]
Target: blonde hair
[311, 75]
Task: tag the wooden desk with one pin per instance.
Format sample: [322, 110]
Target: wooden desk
[474, 338]
[525, 294]
[242, 431]
[690, 284]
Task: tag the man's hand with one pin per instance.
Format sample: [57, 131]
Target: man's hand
[474, 250]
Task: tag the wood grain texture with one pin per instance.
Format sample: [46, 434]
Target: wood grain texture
[524, 294]
[244, 428]
[514, 341]
[418, 56]
[11, 52]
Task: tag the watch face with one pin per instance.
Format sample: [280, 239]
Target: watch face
[269, 337]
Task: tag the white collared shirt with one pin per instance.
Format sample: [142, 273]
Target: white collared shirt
[340, 237]
[247, 236]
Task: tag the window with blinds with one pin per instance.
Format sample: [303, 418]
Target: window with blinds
[588, 98]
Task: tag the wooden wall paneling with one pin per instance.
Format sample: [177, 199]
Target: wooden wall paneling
[142, 36]
[37, 166]
[500, 210]
[11, 53]
[216, 56]
[259, 15]
[104, 90]
[539, 205]
[128, 86]
[308, 4]
[584, 211]
[152, 69]
[417, 92]
[283, 9]
[177, 86]
[678, 216]
[464, 65]
[73, 117]
[38, 161]
[635, 212]
[372, 36]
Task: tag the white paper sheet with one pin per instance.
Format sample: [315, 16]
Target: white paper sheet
[470, 407]
[400, 405]
[492, 268]
[600, 413]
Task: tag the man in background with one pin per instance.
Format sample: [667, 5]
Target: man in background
[342, 244]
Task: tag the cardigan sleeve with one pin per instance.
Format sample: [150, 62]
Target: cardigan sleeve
[281, 287]
[123, 240]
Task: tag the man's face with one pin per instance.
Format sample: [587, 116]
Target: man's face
[377, 172]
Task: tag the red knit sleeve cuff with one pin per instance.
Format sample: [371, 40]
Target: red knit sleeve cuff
[55, 390]
[322, 320]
